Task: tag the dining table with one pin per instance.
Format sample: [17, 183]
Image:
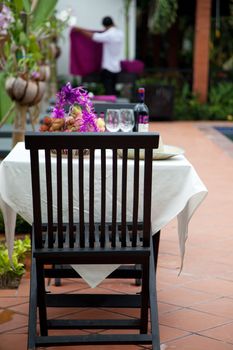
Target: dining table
[177, 192]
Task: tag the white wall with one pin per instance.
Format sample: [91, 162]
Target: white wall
[89, 14]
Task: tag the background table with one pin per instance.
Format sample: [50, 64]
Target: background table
[177, 192]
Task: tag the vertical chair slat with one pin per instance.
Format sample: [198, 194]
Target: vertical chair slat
[49, 197]
[36, 203]
[147, 196]
[59, 198]
[124, 197]
[81, 199]
[114, 195]
[103, 196]
[135, 197]
[91, 198]
[70, 197]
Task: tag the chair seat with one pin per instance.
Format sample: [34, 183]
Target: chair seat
[86, 254]
[94, 231]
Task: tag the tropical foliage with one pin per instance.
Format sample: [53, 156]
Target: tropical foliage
[186, 104]
[163, 15]
[30, 30]
[12, 270]
[218, 107]
[22, 48]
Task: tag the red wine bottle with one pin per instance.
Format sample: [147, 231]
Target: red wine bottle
[141, 113]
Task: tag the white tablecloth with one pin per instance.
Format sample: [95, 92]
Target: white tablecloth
[177, 191]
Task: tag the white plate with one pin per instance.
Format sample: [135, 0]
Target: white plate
[167, 152]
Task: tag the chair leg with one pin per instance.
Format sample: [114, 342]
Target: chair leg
[154, 306]
[57, 280]
[138, 281]
[32, 308]
[155, 244]
[145, 297]
[41, 295]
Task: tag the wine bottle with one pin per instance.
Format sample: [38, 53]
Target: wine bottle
[141, 113]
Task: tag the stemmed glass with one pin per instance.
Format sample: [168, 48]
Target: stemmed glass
[112, 120]
[126, 119]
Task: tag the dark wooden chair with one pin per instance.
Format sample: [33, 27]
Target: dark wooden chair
[76, 238]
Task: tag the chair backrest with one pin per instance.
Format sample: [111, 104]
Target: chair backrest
[91, 185]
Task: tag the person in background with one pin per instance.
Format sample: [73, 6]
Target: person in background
[112, 39]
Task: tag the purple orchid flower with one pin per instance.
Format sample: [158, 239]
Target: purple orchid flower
[71, 96]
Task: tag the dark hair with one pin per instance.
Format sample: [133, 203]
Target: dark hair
[107, 21]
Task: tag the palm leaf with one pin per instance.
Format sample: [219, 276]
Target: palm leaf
[42, 12]
[18, 5]
[27, 6]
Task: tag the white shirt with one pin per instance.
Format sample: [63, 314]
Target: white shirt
[112, 40]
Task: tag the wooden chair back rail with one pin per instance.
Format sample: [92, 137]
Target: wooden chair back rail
[108, 232]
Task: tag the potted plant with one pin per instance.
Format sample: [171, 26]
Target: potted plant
[21, 60]
[12, 270]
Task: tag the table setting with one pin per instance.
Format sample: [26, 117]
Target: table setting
[177, 189]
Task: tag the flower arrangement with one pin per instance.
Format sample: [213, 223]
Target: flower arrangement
[80, 116]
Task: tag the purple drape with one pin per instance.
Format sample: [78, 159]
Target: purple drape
[133, 66]
[85, 54]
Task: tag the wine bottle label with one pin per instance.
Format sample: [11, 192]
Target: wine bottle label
[143, 123]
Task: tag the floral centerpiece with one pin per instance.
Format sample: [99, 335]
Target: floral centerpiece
[73, 111]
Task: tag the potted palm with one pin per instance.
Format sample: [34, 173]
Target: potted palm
[22, 57]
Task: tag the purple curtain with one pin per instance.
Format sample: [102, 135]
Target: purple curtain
[85, 54]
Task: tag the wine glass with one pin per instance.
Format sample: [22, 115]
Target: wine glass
[126, 119]
[112, 120]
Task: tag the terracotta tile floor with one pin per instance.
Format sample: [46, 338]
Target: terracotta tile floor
[196, 308]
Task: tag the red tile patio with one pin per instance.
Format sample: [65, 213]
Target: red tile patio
[195, 308]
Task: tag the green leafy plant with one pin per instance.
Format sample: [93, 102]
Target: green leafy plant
[12, 270]
[221, 101]
[187, 105]
[221, 45]
[163, 16]
[22, 48]
[22, 247]
[218, 107]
